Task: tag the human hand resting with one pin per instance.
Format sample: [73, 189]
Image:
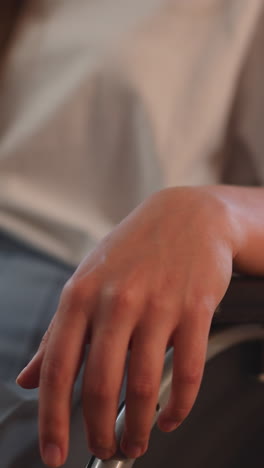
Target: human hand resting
[155, 281]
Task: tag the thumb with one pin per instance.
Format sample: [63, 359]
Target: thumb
[29, 376]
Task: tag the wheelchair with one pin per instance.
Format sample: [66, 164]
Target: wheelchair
[226, 426]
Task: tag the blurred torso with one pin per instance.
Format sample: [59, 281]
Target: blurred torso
[97, 114]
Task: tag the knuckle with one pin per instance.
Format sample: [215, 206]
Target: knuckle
[189, 375]
[69, 288]
[53, 426]
[122, 297]
[142, 390]
[158, 302]
[52, 374]
[99, 391]
[77, 291]
[198, 305]
[72, 292]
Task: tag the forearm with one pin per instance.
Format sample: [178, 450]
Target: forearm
[247, 208]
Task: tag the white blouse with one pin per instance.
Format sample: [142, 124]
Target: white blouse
[104, 102]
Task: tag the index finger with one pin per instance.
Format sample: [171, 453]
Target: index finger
[59, 369]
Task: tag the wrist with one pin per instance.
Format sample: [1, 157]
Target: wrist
[212, 208]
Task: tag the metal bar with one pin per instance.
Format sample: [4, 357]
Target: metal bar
[218, 343]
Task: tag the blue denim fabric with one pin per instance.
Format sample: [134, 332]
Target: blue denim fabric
[30, 287]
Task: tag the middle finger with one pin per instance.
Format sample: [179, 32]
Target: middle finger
[144, 375]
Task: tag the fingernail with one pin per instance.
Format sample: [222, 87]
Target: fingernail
[52, 455]
[168, 425]
[132, 450]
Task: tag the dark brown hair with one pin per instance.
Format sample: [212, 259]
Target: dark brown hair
[11, 14]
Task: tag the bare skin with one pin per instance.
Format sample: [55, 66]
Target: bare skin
[155, 280]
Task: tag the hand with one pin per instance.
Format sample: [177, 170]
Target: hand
[155, 280]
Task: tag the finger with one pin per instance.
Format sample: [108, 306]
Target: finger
[144, 374]
[29, 376]
[102, 383]
[58, 371]
[112, 329]
[190, 345]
